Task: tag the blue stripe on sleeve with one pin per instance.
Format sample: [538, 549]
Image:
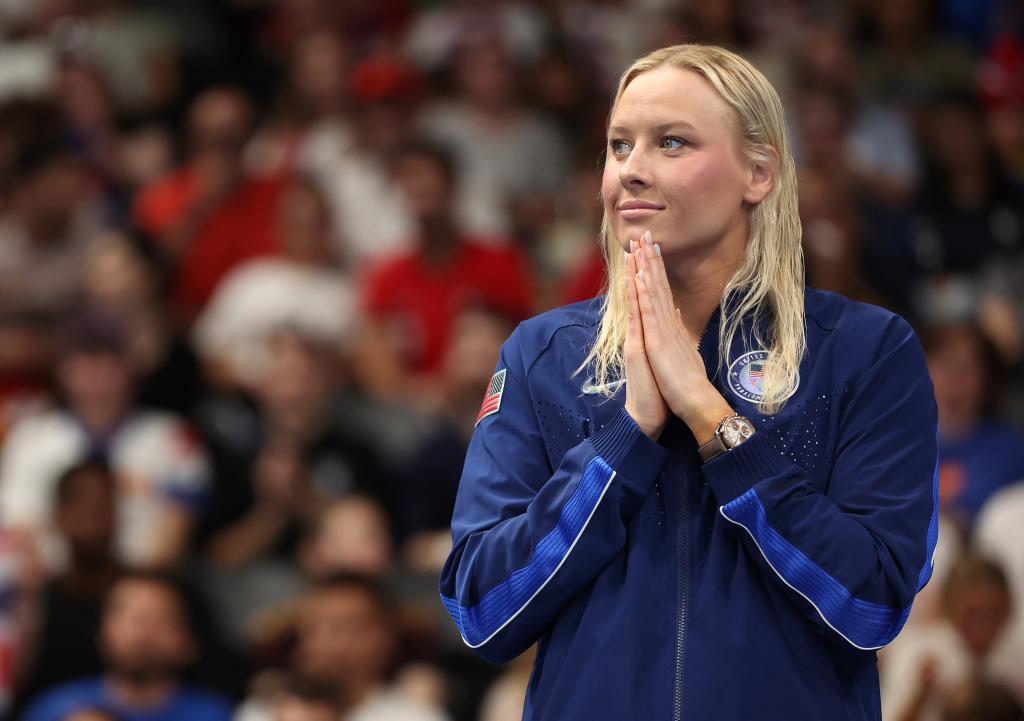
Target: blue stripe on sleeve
[865, 625]
[933, 532]
[500, 605]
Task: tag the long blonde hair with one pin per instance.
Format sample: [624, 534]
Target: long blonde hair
[768, 287]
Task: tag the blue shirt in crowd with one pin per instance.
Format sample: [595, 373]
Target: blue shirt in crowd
[186, 703]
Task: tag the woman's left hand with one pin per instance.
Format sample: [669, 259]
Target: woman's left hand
[672, 351]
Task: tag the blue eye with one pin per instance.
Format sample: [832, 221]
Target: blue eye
[618, 147]
[668, 142]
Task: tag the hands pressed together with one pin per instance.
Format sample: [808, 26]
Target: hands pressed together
[664, 370]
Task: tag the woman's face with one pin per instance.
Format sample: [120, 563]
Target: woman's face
[674, 149]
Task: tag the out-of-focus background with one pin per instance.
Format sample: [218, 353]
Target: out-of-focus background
[257, 258]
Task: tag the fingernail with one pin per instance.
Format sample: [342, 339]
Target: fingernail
[640, 275]
[647, 237]
[657, 249]
[632, 245]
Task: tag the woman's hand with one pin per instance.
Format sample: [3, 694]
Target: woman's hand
[644, 401]
[671, 352]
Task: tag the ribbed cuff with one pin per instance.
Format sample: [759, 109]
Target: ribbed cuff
[629, 452]
[735, 472]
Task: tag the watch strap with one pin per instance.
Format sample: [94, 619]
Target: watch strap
[713, 448]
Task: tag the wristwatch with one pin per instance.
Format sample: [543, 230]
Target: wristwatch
[731, 432]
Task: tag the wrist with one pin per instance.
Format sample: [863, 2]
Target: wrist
[703, 418]
[651, 429]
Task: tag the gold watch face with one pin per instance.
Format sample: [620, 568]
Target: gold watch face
[736, 430]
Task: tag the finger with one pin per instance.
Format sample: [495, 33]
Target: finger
[648, 314]
[632, 307]
[658, 277]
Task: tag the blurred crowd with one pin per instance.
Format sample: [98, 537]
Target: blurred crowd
[257, 258]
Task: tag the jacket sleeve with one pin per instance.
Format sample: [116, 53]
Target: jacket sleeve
[527, 537]
[853, 556]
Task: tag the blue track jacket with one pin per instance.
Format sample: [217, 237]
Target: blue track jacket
[757, 586]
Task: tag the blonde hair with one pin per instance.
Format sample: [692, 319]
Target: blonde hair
[768, 286]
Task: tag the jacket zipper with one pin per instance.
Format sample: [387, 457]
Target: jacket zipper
[682, 571]
[682, 551]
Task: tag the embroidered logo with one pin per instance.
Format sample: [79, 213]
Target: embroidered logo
[492, 398]
[746, 375]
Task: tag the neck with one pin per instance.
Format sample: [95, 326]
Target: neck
[698, 278]
[91, 574]
[140, 693]
[100, 421]
[439, 238]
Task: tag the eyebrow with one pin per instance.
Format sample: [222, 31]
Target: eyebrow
[618, 129]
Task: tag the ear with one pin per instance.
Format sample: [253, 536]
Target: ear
[764, 170]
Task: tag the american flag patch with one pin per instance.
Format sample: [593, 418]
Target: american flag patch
[757, 374]
[492, 398]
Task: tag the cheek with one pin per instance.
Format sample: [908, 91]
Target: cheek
[707, 182]
[610, 185]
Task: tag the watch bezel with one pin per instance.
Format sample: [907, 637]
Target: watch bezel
[733, 436]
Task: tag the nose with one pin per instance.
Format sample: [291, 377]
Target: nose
[633, 171]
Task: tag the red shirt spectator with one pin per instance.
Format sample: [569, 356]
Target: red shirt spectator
[238, 228]
[425, 296]
[210, 214]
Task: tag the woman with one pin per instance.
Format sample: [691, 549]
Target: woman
[710, 494]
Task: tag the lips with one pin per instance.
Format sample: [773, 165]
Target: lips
[637, 209]
[639, 205]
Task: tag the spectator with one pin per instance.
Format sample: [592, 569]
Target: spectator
[47, 222]
[501, 145]
[978, 455]
[209, 215]
[969, 210]
[979, 700]
[346, 636]
[123, 278]
[449, 268]
[70, 606]
[306, 700]
[147, 642]
[904, 60]
[425, 497]
[280, 457]
[970, 640]
[371, 218]
[160, 466]
[303, 289]
[313, 109]
[350, 535]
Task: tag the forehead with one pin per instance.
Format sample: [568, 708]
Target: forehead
[669, 94]
[142, 593]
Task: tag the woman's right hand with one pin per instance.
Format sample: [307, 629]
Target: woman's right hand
[644, 402]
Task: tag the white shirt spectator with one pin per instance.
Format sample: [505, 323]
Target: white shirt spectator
[371, 217]
[384, 704]
[157, 460]
[940, 644]
[999, 535]
[262, 295]
[524, 156]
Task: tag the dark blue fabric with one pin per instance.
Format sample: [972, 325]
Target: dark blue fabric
[865, 625]
[501, 603]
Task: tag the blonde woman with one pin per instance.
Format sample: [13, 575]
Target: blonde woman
[709, 494]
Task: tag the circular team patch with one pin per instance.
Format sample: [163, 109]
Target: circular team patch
[746, 375]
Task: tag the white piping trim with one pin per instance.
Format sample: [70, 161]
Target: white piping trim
[721, 509]
[548, 579]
